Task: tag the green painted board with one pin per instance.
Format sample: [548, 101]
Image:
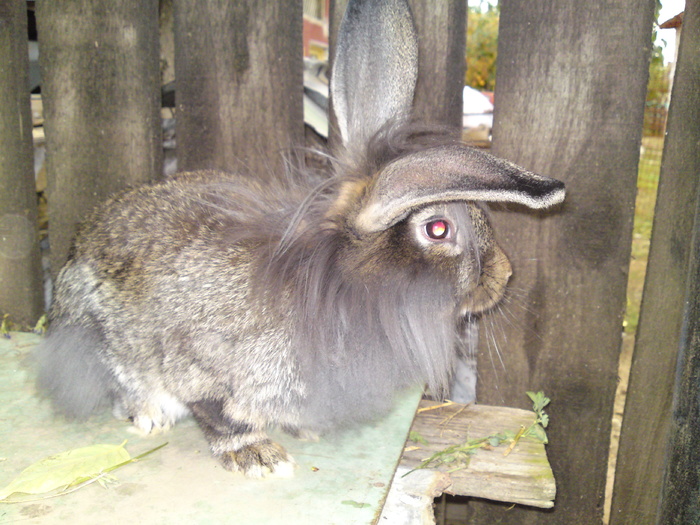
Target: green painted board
[341, 479]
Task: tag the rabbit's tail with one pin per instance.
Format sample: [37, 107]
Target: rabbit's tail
[71, 372]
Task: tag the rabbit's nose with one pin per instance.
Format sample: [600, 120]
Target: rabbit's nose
[491, 286]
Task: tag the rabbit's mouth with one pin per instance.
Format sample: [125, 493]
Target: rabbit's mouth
[491, 286]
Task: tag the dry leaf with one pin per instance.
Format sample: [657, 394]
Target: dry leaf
[60, 471]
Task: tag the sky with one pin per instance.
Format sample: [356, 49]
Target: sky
[669, 9]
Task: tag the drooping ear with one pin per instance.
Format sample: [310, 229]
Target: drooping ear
[450, 173]
[375, 67]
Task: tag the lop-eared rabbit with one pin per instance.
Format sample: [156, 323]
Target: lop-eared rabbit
[303, 303]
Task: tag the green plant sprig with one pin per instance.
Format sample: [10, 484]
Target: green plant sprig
[536, 429]
[460, 454]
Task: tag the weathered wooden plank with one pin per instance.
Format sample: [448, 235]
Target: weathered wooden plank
[662, 418]
[521, 476]
[411, 500]
[101, 93]
[20, 265]
[442, 37]
[239, 75]
[569, 104]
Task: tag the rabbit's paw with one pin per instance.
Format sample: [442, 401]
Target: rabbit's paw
[153, 417]
[258, 460]
[144, 425]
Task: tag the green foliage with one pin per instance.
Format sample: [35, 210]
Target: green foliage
[6, 326]
[647, 184]
[482, 47]
[416, 437]
[457, 457]
[41, 324]
[536, 430]
[648, 178]
[659, 82]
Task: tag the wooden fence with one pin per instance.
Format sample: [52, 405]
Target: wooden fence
[570, 100]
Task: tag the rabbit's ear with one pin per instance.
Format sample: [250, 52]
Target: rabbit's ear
[375, 67]
[449, 173]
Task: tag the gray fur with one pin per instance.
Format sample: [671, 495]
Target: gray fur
[72, 372]
[377, 46]
[446, 167]
[292, 303]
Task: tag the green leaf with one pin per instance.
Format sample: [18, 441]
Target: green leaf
[508, 435]
[355, 504]
[65, 469]
[494, 441]
[41, 324]
[537, 432]
[539, 400]
[5, 326]
[416, 437]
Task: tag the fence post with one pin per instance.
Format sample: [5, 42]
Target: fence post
[442, 38]
[101, 93]
[239, 75]
[569, 104]
[657, 478]
[20, 264]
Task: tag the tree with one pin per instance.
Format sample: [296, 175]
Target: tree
[658, 86]
[482, 46]
[658, 73]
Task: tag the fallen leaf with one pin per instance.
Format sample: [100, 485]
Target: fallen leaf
[65, 469]
[355, 504]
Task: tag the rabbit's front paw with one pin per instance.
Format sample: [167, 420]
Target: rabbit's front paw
[258, 460]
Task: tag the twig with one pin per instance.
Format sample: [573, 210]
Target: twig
[447, 403]
[515, 441]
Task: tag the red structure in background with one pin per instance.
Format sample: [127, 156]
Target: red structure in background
[316, 16]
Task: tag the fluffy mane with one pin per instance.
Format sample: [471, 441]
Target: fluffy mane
[367, 316]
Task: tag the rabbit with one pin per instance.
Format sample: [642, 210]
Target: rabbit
[303, 303]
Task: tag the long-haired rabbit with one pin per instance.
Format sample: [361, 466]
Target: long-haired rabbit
[302, 303]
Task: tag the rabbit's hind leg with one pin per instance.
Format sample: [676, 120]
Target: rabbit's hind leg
[240, 446]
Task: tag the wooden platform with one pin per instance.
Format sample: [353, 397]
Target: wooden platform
[342, 479]
[518, 475]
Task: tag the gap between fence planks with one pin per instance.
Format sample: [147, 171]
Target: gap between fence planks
[523, 476]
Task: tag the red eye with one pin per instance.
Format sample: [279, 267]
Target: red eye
[438, 229]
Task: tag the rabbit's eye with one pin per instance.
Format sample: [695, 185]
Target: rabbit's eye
[438, 230]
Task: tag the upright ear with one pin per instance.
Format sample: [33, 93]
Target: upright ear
[449, 173]
[375, 67]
